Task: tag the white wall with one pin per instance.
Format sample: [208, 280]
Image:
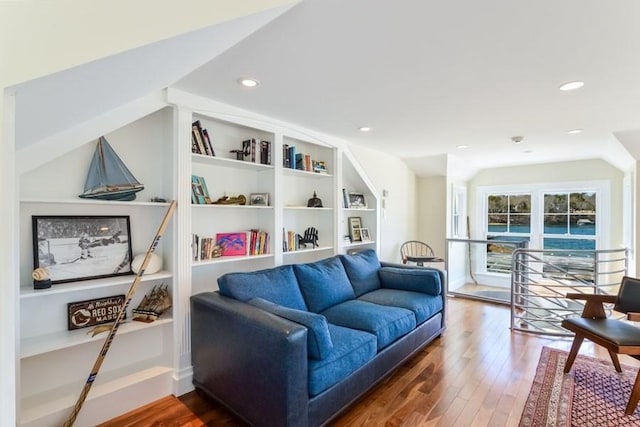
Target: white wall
[432, 212]
[398, 221]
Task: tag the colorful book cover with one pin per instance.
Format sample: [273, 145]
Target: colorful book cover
[232, 244]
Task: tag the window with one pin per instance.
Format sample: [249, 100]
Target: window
[509, 213]
[569, 220]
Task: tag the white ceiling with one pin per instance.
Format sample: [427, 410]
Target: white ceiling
[429, 75]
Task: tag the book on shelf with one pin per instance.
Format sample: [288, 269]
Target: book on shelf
[289, 240]
[265, 152]
[200, 140]
[345, 198]
[257, 151]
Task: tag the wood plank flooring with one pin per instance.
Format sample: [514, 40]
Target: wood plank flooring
[477, 374]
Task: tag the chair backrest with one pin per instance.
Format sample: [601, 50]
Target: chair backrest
[415, 248]
[628, 296]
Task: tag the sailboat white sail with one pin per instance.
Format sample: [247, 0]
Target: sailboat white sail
[108, 178]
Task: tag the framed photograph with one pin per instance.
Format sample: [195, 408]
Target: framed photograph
[259, 199]
[76, 248]
[356, 201]
[199, 192]
[355, 224]
[364, 235]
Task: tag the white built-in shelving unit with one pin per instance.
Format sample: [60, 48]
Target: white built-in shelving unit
[151, 360]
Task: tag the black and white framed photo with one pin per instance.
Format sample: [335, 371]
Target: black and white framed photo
[75, 248]
[356, 201]
[259, 199]
[364, 235]
[355, 224]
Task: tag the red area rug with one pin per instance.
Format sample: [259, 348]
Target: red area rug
[592, 394]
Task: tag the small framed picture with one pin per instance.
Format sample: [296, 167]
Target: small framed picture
[364, 235]
[75, 248]
[355, 225]
[356, 201]
[259, 199]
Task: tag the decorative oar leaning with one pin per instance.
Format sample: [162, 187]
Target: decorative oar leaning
[114, 327]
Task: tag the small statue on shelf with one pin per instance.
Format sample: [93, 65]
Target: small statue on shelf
[226, 200]
[314, 202]
[41, 278]
[310, 237]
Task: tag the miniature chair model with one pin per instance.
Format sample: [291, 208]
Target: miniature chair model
[616, 336]
[416, 251]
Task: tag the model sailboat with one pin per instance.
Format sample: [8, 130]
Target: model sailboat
[108, 177]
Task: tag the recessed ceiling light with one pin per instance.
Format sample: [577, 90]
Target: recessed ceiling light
[462, 146]
[248, 82]
[365, 129]
[571, 85]
[574, 131]
[528, 151]
[517, 139]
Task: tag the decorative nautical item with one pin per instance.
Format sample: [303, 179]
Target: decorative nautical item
[153, 304]
[108, 177]
[41, 278]
[310, 237]
[314, 202]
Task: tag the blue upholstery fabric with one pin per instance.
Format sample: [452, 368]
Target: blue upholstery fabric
[411, 279]
[362, 269]
[319, 343]
[351, 350]
[278, 285]
[386, 323]
[323, 283]
[423, 306]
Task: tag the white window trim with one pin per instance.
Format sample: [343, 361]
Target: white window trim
[603, 205]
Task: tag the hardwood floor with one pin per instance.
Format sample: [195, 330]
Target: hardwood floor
[477, 374]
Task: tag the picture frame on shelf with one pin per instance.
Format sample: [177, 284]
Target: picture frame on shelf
[259, 199]
[357, 201]
[74, 248]
[199, 191]
[232, 244]
[355, 224]
[364, 235]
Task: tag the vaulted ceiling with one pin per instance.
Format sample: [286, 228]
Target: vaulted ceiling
[426, 76]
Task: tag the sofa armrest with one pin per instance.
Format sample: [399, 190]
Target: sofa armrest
[252, 361]
[411, 278]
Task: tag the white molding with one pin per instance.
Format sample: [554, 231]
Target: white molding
[9, 303]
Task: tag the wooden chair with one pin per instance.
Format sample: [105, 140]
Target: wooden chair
[617, 336]
[416, 251]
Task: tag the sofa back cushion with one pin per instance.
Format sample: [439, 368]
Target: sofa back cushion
[278, 285]
[362, 269]
[319, 343]
[323, 283]
[411, 279]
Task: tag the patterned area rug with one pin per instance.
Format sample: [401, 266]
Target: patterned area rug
[592, 394]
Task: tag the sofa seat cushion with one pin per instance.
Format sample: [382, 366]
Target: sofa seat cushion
[362, 269]
[323, 283]
[319, 343]
[411, 279]
[422, 305]
[351, 349]
[385, 322]
[278, 285]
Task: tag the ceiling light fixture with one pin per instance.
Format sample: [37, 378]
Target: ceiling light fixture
[462, 146]
[571, 85]
[365, 129]
[517, 139]
[574, 131]
[248, 82]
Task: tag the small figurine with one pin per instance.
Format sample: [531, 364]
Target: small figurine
[314, 202]
[310, 236]
[41, 278]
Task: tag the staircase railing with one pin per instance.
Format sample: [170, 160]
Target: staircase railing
[540, 279]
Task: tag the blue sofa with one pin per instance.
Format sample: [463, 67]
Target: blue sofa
[294, 345]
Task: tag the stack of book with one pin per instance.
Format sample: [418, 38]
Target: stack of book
[289, 241]
[258, 151]
[258, 242]
[300, 161]
[204, 248]
[200, 141]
